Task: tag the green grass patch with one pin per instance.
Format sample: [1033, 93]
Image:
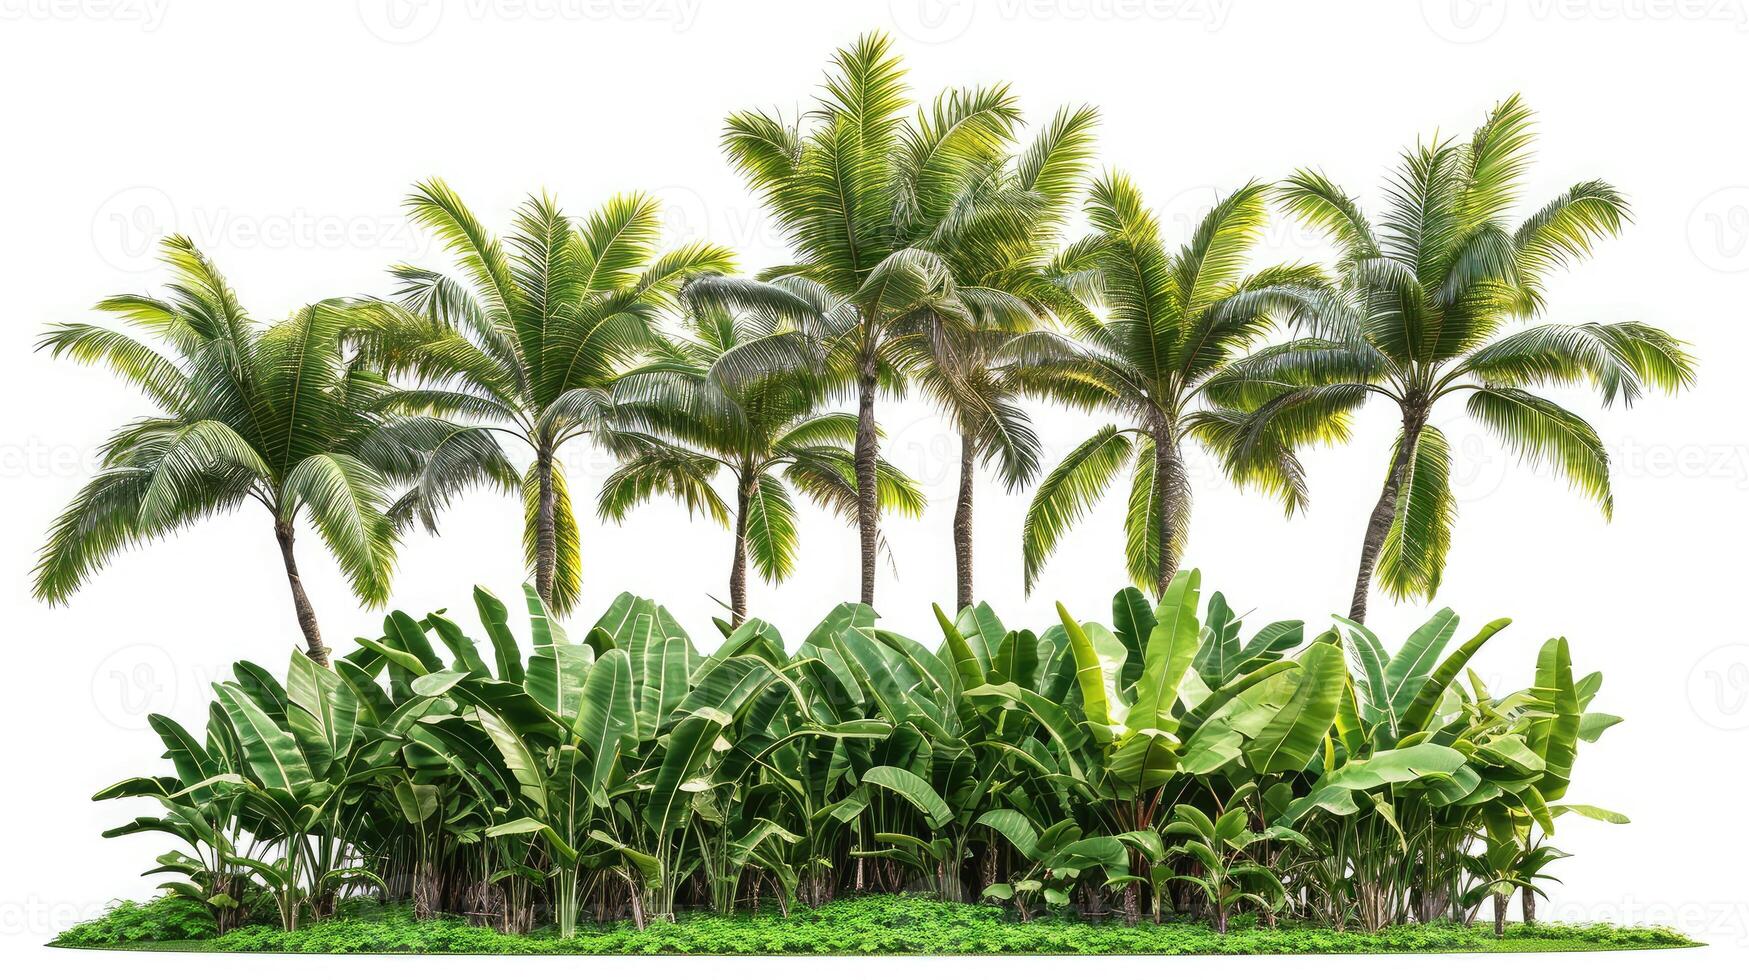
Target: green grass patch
[877, 925]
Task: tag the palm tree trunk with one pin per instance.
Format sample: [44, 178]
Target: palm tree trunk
[1383, 513]
[738, 573]
[314, 649]
[1168, 499]
[546, 531]
[1529, 907]
[867, 501]
[962, 523]
[1499, 915]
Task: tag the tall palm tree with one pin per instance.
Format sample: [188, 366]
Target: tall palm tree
[279, 415]
[1418, 315]
[681, 423]
[865, 194]
[1171, 321]
[529, 340]
[1005, 243]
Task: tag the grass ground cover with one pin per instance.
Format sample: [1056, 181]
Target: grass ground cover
[875, 925]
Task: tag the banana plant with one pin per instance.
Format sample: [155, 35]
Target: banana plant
[628, 768]
[1053, 859]
[1227, 876]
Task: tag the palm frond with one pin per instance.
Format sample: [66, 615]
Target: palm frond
[567, 559]
[1067, 493]
[1412, 557]
[771, 529]
[1540, 431]
[347, 501]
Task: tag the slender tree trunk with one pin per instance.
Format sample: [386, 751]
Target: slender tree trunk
[1499, 915]
[1168, 499]
[1384, 512]
[962, 523]
[1529, 907]
[546, 530]
[738, 574]
[315, 650]
[867, 501]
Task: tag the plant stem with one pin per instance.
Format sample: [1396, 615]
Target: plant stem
[1384, 512]
[738, 573]
[546, 536]
[867, 499]
[962, 523]
[315, 650]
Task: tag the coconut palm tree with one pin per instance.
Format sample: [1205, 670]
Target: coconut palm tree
[866, 197]
[278, 415]
[681, 423]
[529, 340]
[1423, 300]
[1006, 243]
[1171, 321]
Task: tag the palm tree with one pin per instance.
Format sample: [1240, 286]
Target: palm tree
[1417, 317]
[682, 423]
[866, 197]
[528, 342]
[1005, 243]
[278, 415]
[1172, 320]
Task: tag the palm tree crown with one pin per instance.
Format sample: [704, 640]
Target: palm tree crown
[529, 339]
[278, 415]
[1171, 321]
[1005, 244]
[1422, 300]
[681, 422]
[870, 199]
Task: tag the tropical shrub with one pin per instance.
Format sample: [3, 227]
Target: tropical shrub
[628, 774]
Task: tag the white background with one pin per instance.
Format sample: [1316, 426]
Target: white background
[283, 137]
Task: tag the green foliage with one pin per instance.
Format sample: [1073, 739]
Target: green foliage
[1419, 313]
[167, 919]
[1167, 760]
[872, 925]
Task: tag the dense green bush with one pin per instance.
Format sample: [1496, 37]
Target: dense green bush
[875, 924]
[170, 918]
[1162, 768]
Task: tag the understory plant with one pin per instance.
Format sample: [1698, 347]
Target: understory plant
[1160, 762]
